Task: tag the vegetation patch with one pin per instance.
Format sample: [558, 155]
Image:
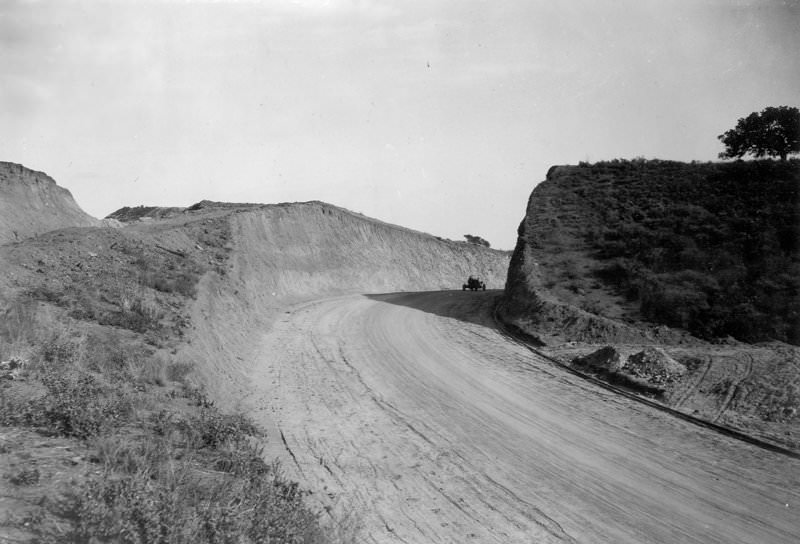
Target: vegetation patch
[712, 248]
[165, 465]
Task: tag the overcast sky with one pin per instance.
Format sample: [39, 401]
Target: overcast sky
[436, 115]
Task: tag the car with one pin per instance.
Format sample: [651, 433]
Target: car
[473, 284]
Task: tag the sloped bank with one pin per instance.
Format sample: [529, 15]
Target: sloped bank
[744, 386]
[32, 203]
[288, 253]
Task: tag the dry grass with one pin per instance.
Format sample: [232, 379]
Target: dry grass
[167, 466]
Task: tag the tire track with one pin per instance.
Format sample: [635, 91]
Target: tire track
[435, 434]
[733, 389]
[690, 391]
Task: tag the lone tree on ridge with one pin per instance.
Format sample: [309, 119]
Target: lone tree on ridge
[774, 132]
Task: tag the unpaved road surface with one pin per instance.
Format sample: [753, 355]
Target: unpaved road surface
[414, 411]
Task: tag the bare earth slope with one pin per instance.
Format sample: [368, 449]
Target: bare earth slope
[285, 253]
[414, 410]
[31, 203]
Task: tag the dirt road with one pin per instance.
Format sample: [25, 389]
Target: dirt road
[414, 411]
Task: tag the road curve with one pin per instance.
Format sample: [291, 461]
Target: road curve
[413, 411]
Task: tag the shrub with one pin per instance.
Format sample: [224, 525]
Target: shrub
[25, 477]
[477, 240]
[135, 315]
[184, 283]
[75, 404]
[201, 480]
[186, 507]
[212, 428]
[46, 294]
[146, 368]
[176, 371]
[736, 225]
[18, 322]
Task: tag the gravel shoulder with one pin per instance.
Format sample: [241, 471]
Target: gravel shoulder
[413, 411]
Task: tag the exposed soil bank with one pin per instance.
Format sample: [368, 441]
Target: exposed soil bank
[31, 203]
[283, 254]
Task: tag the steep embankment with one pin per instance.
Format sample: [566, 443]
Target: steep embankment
[636, 253]
[32, 203]
[551, 291]
[314, 249]
[711, 248]
[278, 255]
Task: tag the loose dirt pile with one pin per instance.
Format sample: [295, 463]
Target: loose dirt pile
[654, 365]
[649, 371]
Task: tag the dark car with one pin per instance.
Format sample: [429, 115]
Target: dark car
[473, 284]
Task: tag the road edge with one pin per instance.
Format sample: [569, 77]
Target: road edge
[522, 339]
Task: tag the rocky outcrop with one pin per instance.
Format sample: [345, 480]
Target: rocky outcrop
[32, 203]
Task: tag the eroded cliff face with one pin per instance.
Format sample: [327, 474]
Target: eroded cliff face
[32, 203]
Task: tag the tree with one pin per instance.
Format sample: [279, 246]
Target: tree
[774, 132]
[476, 240]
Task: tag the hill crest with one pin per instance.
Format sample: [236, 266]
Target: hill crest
[32, 203]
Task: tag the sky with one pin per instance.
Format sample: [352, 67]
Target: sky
[440, 116]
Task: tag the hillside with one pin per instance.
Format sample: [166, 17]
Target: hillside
[684, 257]
[241, 263]
[713, 249]
[282, 254]
[134, 345]
[32, 203]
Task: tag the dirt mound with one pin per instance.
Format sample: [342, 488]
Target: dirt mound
[32, 203]
[655, 366]
[605, 359]
[648, 371]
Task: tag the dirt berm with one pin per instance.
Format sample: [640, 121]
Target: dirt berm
[287, 253]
